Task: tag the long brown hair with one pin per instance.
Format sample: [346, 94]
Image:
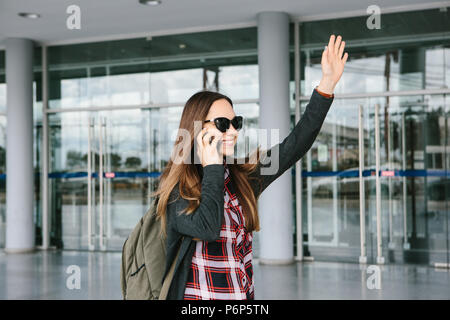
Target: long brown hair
[185, 172]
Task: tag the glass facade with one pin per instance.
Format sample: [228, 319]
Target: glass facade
[115, 106]
[2, 150]
[413, 133]
[149, 71]
[114, 111]
[409, 52]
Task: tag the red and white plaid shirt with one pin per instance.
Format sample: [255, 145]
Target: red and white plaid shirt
[222, 269]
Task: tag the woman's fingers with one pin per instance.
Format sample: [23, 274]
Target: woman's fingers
[201, 141]
[344, 60]
[206, 138]
[207, 151]
[324, 53]
[205, 135]
[216, 134]
[331, 44]
[341, 49]
[200, 137]
[337, 44]
[217, 138]
[335, 49]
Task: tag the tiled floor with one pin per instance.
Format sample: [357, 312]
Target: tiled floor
[42, 275]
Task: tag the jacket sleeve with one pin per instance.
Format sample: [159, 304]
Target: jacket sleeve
[296, 144]
[206, 221]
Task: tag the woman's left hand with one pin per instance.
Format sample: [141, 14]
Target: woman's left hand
[332, 64]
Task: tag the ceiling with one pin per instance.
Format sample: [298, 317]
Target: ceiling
[116, 19]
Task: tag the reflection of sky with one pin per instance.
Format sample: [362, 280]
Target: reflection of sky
[128, 89]
[367, 74]
[2, 97]
[238, 82]
[128, 136]
[175, 86]
[130, 132]
[361, 75]
[247, 138]
[437, 67]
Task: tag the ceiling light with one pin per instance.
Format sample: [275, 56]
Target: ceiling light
[150, 2]
[29, 15]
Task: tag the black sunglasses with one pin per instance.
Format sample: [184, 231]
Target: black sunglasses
[223, 124]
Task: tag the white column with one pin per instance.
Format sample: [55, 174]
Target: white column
[20, 233]
[276, 203]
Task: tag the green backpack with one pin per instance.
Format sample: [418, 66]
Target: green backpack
[144, 261]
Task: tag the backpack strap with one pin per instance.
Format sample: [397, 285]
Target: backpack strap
[169, 277]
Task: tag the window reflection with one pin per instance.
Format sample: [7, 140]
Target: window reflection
[2, 97]
[133, 147]
[112, 90]
[157, 70]
[415, 67]
[363, 73]
[240, 82]
[174, 86]
[2, 180]
[413, 182]
[248, 136]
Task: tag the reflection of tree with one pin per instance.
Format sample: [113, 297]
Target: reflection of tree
[115, 160]
[434, 135]
[2, 158]
[349, 162]
[75, 159]
[132, 162]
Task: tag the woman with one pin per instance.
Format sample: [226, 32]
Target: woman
[209, 208]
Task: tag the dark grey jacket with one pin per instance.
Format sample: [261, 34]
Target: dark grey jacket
[205, 223]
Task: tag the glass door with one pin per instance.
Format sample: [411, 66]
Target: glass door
[383, 198]
[331, 186]
[404, 216]
[104, 165]
[121, 175]
[427, 184]
[413, 180]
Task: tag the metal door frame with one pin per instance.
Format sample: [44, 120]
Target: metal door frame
[92, 205]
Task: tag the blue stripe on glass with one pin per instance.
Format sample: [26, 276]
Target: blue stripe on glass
[313, 174]
[128, 174]
[367, 173]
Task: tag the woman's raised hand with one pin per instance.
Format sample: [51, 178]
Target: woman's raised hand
[332, 64]
[207, 152]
